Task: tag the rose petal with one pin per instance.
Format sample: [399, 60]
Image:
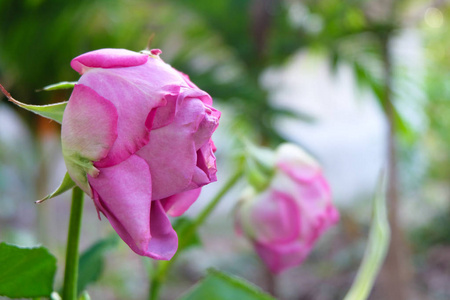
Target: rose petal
[123, 194]
[276, 218]
[135, 101]
[279, 257]
[188, 80]
[164, 241]
[207, 126]
[171, 152]
[207, 161]
[89, 129]
[177, 204]
[107, 58]
[165, 115]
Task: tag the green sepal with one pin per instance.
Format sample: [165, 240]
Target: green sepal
[263, 156]
[79, 166]
[259, 166]
[26, 272]
[59, 86]
[51, 111]
[66, 184]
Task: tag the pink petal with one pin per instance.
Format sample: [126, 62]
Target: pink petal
[280, 257]
[206, 161]
[198, 94]
[165, 115]
[177, 204]
[89, 129]
[136, 97]
[188, 80]
[107, 58]
[123, 194]
[89, 125]
[171, 156]
[319, 212]
[276, 218]
[207, 126]
[171, 152]
[164, 242]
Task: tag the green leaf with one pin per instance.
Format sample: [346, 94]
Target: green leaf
[51, 111]
[181, 225]
[220, 286]
[91, 263]
[376, 248]
[26, 272]
[60, 86]
[403, 128]
[66, 184]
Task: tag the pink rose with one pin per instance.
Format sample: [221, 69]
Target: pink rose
[136, 137]
[285, 220]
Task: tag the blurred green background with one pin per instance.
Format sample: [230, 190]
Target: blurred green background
[245, 54]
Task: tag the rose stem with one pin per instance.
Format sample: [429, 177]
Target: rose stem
[73, 238]
[186, 233]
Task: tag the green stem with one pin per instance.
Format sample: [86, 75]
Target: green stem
[186, 233]
[210, 207]
[71, 271]
[376, 248]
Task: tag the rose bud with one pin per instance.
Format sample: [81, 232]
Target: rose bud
[136, 137]
[284, 221]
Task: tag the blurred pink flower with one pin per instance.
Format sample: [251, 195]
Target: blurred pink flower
[136, 137]
[285, 220]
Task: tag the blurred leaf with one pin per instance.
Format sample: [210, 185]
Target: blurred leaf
[26, 272]
[236, 59]
[403, 128]
[302, 116]
[434, 233]
[91, 262]
[65, 185]
[376, 247]
[84, 296]
[50, 111]
[60, 86]
[181, 225]
[220, 286]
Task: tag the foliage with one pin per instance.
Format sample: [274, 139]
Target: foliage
[92, 261]
[220, 286]
[436, 232]
[26, 272]
[226, 46]
[438, 92]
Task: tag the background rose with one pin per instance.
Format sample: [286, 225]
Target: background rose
[136, 137]
[285, 220]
